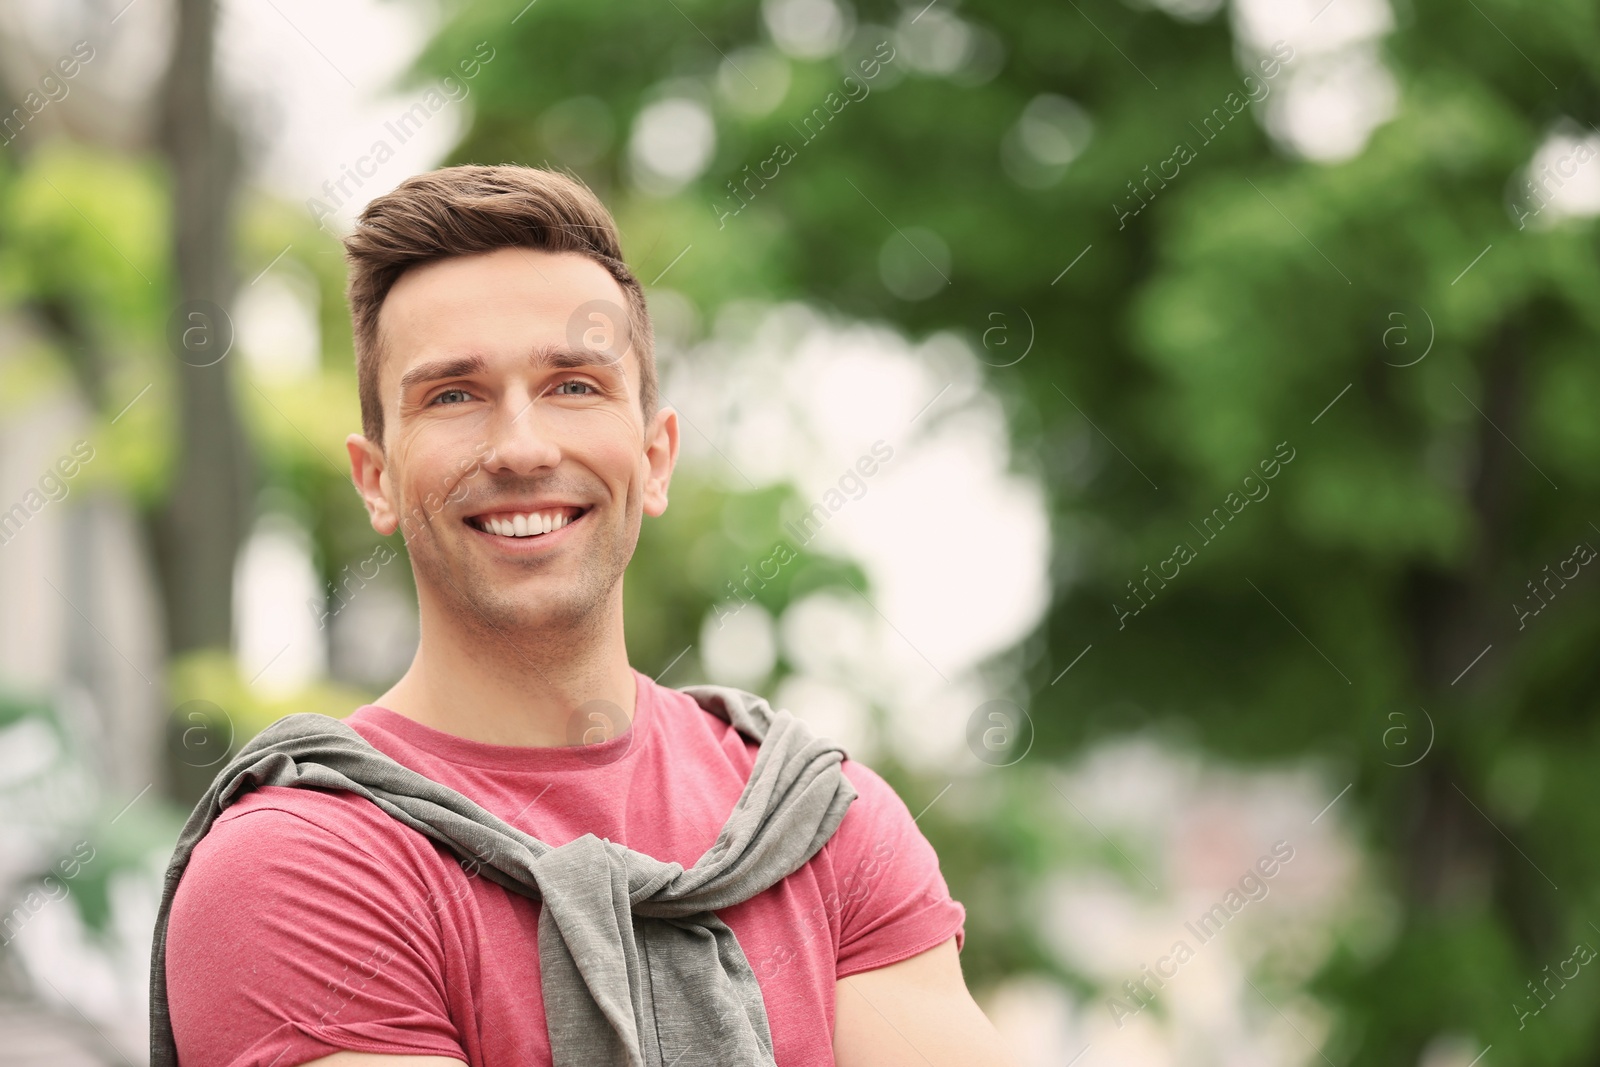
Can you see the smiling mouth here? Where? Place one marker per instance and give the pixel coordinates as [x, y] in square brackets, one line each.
[526, 524]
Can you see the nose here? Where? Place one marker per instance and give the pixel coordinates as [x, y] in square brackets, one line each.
[522, 438]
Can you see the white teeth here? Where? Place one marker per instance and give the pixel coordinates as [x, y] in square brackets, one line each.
[530, 524]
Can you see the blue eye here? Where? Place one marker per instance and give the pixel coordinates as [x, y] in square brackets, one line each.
[575, 381]
[451, 392]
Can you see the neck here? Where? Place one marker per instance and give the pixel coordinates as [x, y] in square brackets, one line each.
[518, 688]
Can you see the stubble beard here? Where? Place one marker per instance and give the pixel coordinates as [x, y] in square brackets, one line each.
[568, 612]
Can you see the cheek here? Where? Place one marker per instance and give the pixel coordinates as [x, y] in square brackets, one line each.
[626, 470]
[610, 445]
[431, 463]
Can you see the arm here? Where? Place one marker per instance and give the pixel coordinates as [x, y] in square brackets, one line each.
[915, 1013]
[289, 940]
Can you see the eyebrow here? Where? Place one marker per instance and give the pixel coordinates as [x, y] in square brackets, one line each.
[557, 357]
[441, 369]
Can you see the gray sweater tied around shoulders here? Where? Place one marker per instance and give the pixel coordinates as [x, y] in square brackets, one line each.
[636, 968]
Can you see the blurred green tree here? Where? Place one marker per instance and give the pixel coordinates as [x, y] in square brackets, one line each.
[1251, 312]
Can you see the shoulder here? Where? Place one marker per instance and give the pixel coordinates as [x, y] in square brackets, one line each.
[870, 784]
[876, 821]
[295, 847]
[306, 922]
[318, 820]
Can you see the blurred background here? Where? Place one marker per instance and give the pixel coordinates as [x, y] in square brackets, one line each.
[1235, 365]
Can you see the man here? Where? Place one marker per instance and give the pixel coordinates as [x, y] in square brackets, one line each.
[512, 433]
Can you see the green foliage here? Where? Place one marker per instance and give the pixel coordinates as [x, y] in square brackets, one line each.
[87, 839]
[1254, 291]
[82, 239]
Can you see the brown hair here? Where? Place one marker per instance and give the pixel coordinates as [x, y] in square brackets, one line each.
[458, 211]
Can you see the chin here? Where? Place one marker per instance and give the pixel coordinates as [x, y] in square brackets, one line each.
[530, 606]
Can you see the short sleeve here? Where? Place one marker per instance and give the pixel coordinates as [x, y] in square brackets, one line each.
[288, 941]
[893, 900]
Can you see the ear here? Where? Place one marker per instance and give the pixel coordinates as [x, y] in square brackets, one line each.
[371, 477]
[661, 454]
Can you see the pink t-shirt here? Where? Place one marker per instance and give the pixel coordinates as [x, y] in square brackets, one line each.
[310, 921]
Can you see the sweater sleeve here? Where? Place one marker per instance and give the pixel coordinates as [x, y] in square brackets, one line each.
[893, 899]
[288, 940]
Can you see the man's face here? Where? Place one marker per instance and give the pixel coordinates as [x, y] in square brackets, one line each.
[511, 405]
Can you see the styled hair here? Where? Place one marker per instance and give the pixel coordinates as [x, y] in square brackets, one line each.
[465, 210]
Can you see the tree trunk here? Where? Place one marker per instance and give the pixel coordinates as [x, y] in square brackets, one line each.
[1451, 847]
[198, 530]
